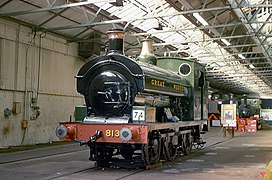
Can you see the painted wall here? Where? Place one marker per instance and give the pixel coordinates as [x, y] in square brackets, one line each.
[37, 72]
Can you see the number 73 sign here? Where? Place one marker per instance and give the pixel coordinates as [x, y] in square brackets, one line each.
[138, 113]
[143, 114]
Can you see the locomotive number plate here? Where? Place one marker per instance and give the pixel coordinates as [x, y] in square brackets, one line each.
[112, 133]
[138, 115]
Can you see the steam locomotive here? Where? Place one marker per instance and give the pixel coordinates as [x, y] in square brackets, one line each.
[138, 111]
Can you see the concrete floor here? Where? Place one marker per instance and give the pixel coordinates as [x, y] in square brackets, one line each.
[242, 157]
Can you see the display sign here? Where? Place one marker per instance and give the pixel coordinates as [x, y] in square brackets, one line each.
[228, 115]
[251, 125]
[138, 113]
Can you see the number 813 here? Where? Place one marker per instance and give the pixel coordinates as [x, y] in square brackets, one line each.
[112, 133]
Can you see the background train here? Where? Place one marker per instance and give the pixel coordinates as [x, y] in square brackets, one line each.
[248, 110]
[138, 111]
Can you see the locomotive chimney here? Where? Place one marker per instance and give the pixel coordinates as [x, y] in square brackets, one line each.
[116, 42]
[245, 99]
[147, 55]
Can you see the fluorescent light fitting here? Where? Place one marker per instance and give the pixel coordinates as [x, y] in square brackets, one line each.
[200, 19]
[225, 42]
[251, 66]
[241, 56]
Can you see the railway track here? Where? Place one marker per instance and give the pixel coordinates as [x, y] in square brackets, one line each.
[72, 173]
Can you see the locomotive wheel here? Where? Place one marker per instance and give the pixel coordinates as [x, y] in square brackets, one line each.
[170, 151]
[152, 151]
[187, 144]
[104, 156]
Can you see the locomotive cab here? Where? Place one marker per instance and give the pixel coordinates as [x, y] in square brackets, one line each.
[194, 73]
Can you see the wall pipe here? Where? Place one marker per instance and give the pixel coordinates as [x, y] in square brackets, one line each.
[26, 74]
[17, 42]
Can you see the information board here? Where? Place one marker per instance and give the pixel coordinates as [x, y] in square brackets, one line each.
[228, 115]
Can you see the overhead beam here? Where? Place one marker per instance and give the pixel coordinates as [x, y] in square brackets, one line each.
[31, 11]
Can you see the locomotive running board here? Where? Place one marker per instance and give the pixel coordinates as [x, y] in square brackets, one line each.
[173, 125]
